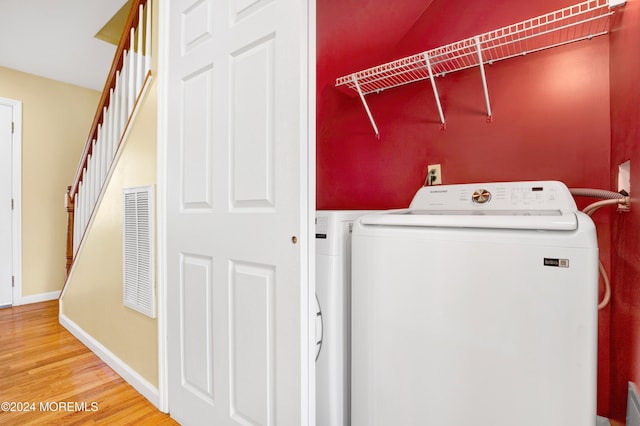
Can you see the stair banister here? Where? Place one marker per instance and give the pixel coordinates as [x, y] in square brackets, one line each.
[125, 81]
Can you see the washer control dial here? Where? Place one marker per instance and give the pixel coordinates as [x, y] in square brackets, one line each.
[481, 196]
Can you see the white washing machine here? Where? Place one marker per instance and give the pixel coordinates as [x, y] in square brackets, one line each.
[477, 305]
[333, 276]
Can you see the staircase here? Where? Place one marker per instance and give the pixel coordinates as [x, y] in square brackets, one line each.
[128, 78]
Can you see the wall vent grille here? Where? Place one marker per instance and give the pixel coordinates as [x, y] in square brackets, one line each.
[138, 291]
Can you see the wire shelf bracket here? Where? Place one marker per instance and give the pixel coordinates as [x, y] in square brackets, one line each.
[484, 78]
[366, 106]
[582, 21]
[443, 124]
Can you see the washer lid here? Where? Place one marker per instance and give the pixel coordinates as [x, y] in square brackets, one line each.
[555, 220]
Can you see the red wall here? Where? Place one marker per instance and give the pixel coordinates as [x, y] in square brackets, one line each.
[625, 137]
[551, 117]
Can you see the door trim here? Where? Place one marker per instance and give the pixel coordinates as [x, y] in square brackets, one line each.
[16, 191]
[308, 299]
[161, 206]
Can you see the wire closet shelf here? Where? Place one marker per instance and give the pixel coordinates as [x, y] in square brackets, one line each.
[574, 23]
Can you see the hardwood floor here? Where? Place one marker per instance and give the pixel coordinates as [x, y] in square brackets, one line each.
[48, 377]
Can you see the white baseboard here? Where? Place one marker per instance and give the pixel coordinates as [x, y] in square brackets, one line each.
[36, 298]
[138, 382]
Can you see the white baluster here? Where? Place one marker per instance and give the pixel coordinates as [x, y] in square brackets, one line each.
[125, 89]
[95, 175]
[117, 120]
[147, 37]
[100, 134]
[77, 218]
[80, 210]
[83, 201]
[100, 143]
[131, 74]
[106, 127]
[75, 222]
[106, 142]
[139, 58]
[99, 163]
[85, 198]
[85, 204]
[113, 136]
[94, 181]
[91, 183]
[103, 149]
[124, 85]
[87, 191]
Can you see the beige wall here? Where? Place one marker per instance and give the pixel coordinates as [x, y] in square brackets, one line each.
[56, 118]
[93, 296]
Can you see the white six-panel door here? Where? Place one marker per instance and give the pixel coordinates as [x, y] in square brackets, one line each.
[237, 209]
[6, 224]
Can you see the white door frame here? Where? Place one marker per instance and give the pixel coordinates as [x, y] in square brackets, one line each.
[308, 155]
[16, 191]
[161, 205]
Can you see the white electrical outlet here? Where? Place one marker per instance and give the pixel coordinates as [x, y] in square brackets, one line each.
[434, 174]
[624, 182]
[624, 176]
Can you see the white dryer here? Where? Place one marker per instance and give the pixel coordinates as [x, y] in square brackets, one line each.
[333, 278]
[477, 305]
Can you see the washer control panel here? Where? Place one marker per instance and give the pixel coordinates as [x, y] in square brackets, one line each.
[499, 196]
